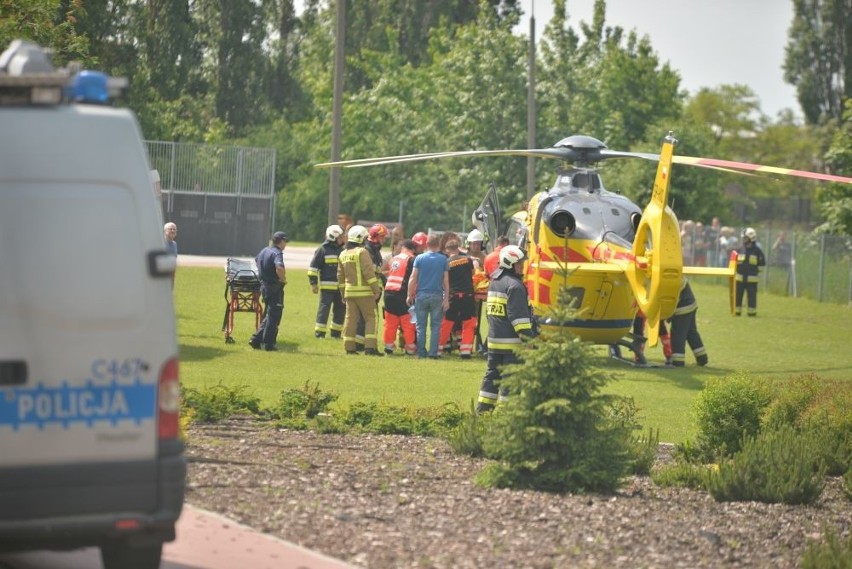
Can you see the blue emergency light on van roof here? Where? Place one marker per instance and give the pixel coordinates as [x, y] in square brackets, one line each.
[89, 87]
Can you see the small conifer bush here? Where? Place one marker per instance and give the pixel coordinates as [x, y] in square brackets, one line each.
[823, 408]
[777, 466]
[682, 474]
[219, 402]
[307, 402]
[556, 432]
[466, 437]
[834, 553]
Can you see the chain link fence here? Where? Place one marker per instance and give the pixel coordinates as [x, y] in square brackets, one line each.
[798, 263]
[220, 197]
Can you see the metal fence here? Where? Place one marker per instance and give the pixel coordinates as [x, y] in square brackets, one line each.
[798, 263]
[220, 197]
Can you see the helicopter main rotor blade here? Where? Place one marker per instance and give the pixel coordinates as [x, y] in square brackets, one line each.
[376, 161]
[554, 153]
[746, 167]
[622, 154]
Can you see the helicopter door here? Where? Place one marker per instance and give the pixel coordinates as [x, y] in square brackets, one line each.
[486, 217]
[604, 294]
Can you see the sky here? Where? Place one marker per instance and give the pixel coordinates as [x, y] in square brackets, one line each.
[708, 42]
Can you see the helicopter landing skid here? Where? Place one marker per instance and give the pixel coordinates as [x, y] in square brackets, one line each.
[634, 363]
[638, 359]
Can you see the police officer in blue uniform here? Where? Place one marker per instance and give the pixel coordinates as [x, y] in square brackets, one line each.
[270, 265]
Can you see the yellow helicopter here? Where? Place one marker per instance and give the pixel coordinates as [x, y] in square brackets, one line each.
[613, 257]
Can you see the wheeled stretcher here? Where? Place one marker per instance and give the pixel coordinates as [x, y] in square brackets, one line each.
[242, 294]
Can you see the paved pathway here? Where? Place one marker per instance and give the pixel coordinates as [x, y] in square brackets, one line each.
[294, 257]
[204, 541]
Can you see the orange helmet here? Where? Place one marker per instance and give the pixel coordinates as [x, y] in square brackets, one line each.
[378, 232]
[420, 239]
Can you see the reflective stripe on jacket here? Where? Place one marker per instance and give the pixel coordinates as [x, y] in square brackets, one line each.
[356, 274]
[323, 267]
[749, 261]
[508, 311]
[686, 302]
[400, 268]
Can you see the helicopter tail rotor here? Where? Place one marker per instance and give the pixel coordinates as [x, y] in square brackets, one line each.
[657, 270]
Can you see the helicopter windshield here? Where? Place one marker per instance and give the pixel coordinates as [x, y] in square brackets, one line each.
[486, 217]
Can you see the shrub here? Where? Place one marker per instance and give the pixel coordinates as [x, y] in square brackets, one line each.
[775, 467]
[823, 408]
[307, 402]
[847, 483]
[219, 402]
[387, 419]
[727, 411]
[466, 436]
[643, 451]
[791, 398]
[556, 432]
[834, 553]
[681, 474]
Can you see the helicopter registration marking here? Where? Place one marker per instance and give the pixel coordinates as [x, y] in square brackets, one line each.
[496, 307]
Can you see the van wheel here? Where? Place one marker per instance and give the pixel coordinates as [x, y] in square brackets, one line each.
[122, 555]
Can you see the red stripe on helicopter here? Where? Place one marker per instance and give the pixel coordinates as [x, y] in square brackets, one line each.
[605, 253]
[563, 254]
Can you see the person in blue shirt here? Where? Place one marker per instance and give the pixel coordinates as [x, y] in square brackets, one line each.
[270, 266]
[428, 291]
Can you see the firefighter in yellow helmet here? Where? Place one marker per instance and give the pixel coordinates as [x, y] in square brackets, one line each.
[356, 278]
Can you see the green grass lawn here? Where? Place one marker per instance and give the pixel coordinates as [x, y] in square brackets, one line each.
[789, 337]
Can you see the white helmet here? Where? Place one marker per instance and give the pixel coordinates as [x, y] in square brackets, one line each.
[511, 254]
[750, 234]
[332, 232]
[475, 235]
[357, 234]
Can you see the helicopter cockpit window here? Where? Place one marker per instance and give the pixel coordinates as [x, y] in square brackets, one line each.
[588, 181]
[516, 232]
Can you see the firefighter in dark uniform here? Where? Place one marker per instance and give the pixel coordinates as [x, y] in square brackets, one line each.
[356, 277]
[373, 244]
[462, 308]
[270, 265]
[684, 329]
[322, 274]
[397, 316]
[510, 320]
[749, 260]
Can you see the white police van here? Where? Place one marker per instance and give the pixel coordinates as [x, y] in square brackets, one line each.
[90, 451]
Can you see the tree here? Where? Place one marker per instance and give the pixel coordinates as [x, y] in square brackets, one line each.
[171, 51]
[411, 23]
[732, 111]
[696, 193]
[818, 60]
[609, 85]
[836, 200]
[285, 93]
[469, 94]
[49, 23]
